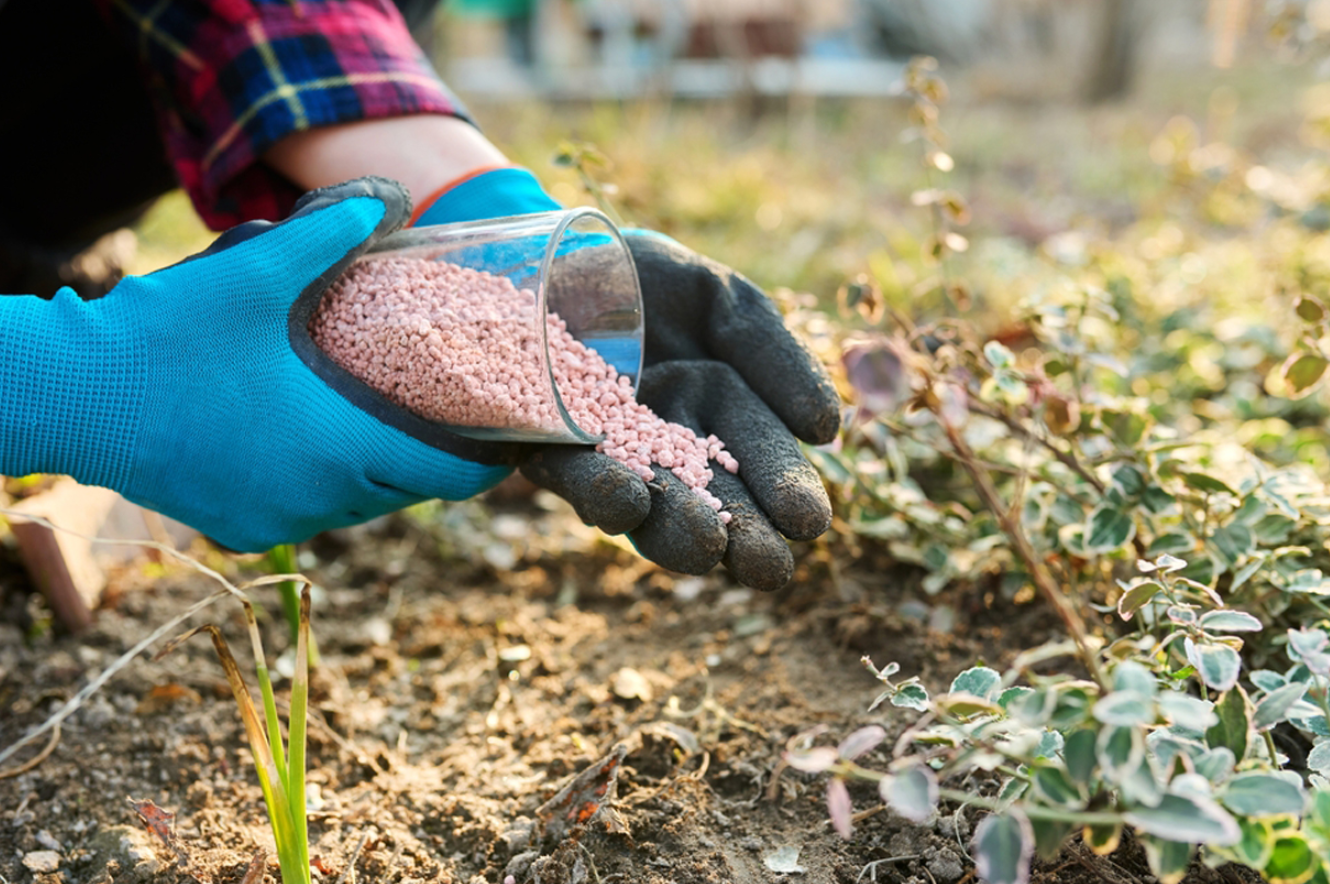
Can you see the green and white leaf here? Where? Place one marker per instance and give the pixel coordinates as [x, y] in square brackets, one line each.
[979, 681]
[1078, 753]
[1216, 764]
[1049, 836]
[1186, 818]
[1233, 730]
[1274, 706]
[1139, 594]
[1055, 787]
[1233, 542]
[1188, 713]
[1218, 665]
[1267, 679]
[1119, 750]
[1125, 709]
[1318, 759]
[1292, 861]
[1229, 621]
[1168, 859]
[1003, 845]
[1108, 529]
[911, 792]
[998, 355]
[1257, 844]
[1259, 794]
[966, 706]
[911, 696]
[1130, 676]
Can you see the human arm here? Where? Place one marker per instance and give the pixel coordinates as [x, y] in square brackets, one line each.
[195, 390]
[718, 360]
[271, 141]
[424, 152]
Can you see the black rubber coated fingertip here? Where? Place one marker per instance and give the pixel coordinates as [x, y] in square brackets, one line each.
[681, 532]
[759, 559]
[756, 554]
[805, 511]
[767, 571]
[819, 416]
[604, 493]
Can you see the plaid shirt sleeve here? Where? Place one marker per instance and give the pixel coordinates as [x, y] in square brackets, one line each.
[231, 77]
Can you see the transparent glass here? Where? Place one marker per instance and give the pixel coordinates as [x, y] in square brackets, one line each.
[573, 263]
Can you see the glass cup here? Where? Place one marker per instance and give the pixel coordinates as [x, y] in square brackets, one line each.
[571, 263]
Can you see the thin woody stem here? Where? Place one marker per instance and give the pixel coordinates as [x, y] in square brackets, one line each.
[1015, 426]
[1043, 580]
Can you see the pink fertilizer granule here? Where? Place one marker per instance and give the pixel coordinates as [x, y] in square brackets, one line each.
[461, 347]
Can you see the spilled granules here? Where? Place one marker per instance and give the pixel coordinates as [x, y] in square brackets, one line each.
[462, 347]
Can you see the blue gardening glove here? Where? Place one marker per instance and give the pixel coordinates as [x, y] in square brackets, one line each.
[496, 193]
[196, 390]
[718, 359]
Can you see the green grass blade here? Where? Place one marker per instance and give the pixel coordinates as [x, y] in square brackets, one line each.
[277, 748]
[296, 730]
[275, 794]
[282, 560]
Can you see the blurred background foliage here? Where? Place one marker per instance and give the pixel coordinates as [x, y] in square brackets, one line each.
[1182, 179]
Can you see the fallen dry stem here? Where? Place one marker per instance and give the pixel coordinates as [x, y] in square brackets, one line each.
[36, 759]
[74, 703]
[348, 875]
[257, 867]
[92, 687]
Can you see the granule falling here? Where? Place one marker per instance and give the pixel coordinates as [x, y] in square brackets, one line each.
[461, 347]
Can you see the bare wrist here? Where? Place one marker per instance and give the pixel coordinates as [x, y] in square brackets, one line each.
[424, 152]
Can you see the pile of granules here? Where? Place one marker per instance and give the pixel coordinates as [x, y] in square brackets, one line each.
[461, 347]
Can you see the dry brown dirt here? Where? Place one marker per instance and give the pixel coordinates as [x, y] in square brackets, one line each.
[474, 661]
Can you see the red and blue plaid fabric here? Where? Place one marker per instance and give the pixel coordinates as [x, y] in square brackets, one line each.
[231, 77]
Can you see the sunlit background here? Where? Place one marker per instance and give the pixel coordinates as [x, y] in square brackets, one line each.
[776, 134]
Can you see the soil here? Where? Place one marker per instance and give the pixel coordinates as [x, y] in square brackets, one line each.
[475, 658]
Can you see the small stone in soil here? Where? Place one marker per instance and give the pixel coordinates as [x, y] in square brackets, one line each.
[41, 862]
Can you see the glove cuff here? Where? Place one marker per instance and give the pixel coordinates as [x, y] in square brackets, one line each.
[487, 193]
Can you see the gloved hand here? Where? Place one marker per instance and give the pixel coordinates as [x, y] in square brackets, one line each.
[718, 359]
[196, 390]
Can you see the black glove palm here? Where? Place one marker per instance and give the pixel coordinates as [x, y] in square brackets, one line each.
[718, 360]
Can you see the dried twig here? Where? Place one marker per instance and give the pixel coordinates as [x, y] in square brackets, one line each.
[120, 662]
[348, 875]
[1068, 460]
[257, 866]
[73, 704]
[36, 759]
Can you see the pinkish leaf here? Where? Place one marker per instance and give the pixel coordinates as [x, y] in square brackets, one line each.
[865, 739]
[954, 404]
[815, 760]
[877, 373]
[838, 805]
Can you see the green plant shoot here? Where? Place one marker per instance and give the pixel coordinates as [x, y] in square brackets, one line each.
[280, 767]
[282, 560]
